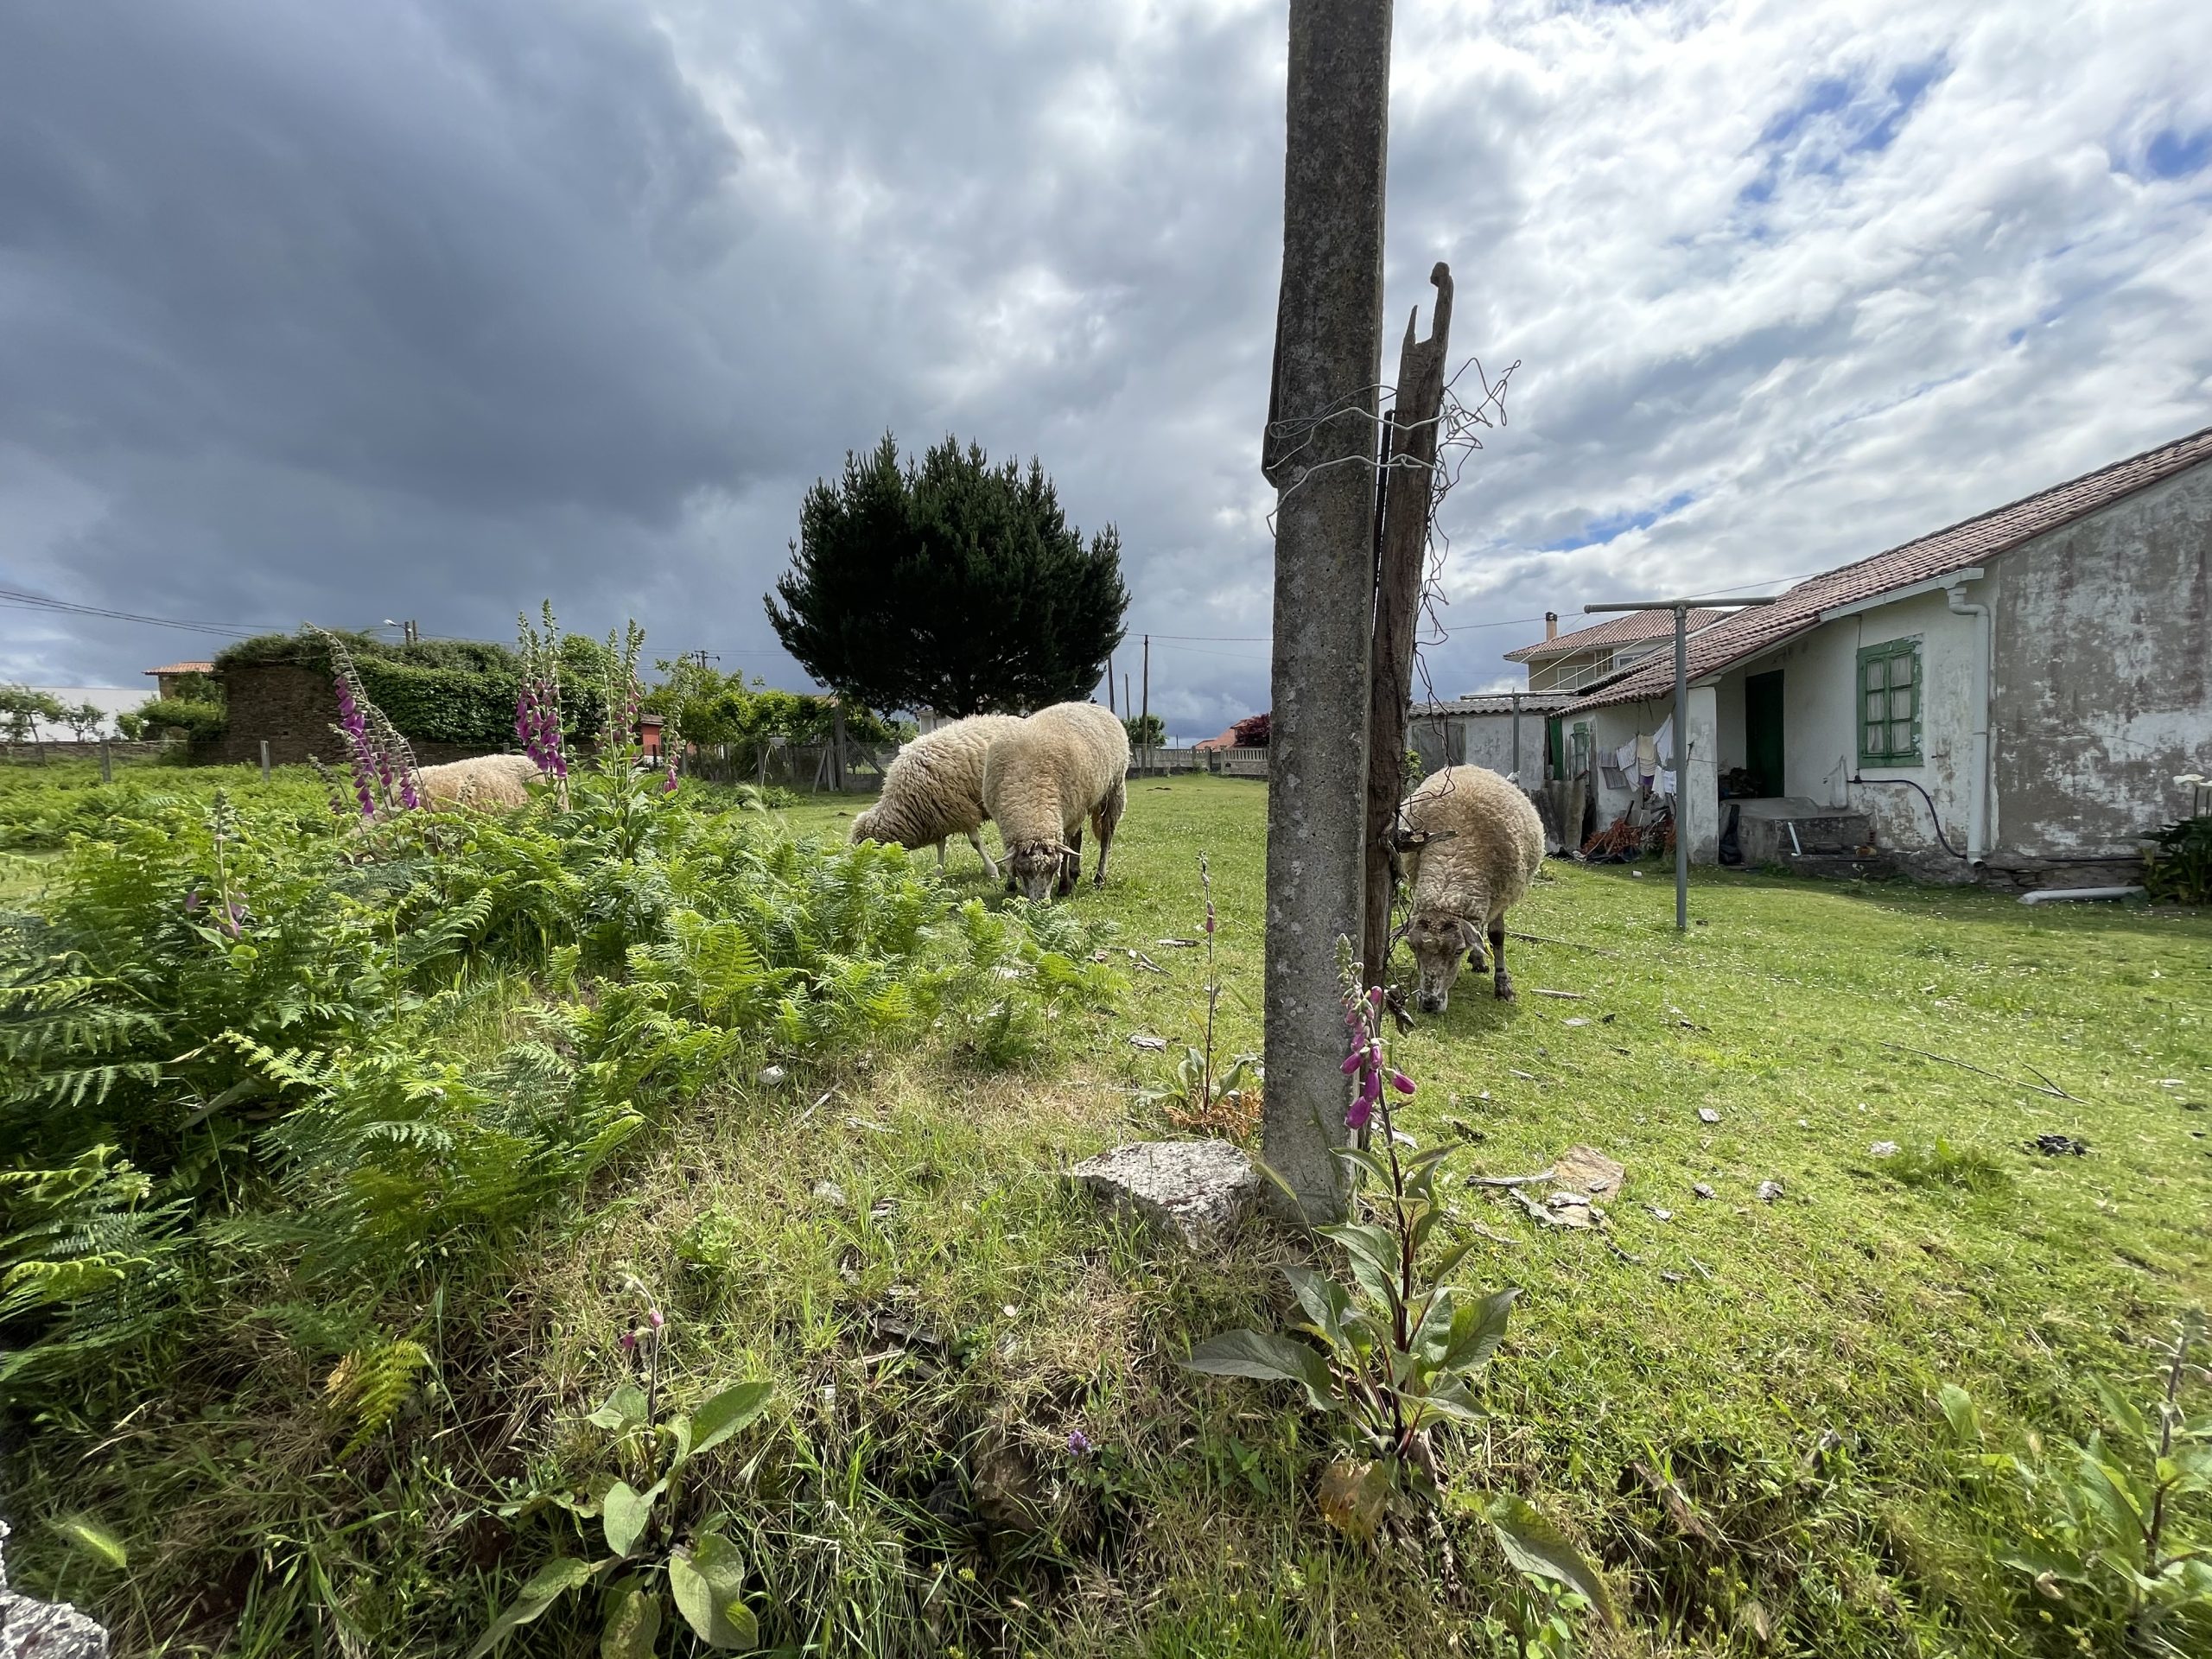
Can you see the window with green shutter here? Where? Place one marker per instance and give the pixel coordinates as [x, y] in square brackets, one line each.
[1888, 703]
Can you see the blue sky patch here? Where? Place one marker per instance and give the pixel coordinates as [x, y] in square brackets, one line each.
[1599, 531]
[2173, 155]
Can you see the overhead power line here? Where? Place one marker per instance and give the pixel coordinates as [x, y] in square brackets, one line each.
[16, 599]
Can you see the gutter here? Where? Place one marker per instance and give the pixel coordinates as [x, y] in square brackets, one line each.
[1977, 784]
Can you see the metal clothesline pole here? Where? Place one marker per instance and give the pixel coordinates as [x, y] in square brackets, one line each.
[1681, 608]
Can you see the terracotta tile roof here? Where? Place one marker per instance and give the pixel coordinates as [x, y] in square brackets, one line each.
[1630, 628]
[184, 668]
[1747, 633]
[1501, 702]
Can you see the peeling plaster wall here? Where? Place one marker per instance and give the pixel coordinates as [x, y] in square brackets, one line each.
[2103, 678]
[1819, 689]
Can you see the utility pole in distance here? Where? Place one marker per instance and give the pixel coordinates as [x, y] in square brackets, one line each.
[1320, 451]
[1144, 716]
[1681, 608]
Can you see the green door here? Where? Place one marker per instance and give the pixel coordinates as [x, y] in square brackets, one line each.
[1763, 730]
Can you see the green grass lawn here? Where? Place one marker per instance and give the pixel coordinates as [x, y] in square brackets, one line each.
[1726, 1339]
[1731, 1404]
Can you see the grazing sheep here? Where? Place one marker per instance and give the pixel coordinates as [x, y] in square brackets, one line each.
[486, 780]
[1478, 844]
[935, 790]
[1042, 778]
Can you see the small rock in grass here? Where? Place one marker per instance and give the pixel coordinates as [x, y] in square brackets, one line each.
[1657, 1214]
[1702, 1189]
[1707, 1115]
[1576, 1021]
[1585, 1169]
[1883, 1149]
[771, 1076]
[1194, 1189]
[1768, 1191]
[829, 1193]
[1672, 1278]
[1157, 1045]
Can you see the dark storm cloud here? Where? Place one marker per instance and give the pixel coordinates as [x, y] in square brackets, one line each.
[428, 308]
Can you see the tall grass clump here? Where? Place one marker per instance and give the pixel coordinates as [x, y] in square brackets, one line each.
[282, 1095]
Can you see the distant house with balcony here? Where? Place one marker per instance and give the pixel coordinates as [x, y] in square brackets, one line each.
[1589, 657]
[168, 677]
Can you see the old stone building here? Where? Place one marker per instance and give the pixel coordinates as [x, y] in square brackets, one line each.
[2008, 699]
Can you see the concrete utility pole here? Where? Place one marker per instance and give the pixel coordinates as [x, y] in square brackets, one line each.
[1681, 608]
[1321, 444]
[1144, 718]
[1109, 683]
[1407, 492]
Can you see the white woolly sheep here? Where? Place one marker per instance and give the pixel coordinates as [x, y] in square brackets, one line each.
[1042, 778]
[934, 790]
[485, 780]
[1478, 844]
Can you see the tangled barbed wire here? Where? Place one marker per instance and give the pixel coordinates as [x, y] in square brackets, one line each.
[1459, 421]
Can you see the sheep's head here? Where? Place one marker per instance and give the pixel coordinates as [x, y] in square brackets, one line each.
[1039, 869]
[864, 826]
[1441, 942]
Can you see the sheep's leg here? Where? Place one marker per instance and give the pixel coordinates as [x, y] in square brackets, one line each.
[1070, 864]
[940, 855]
[975, 840]
[1501, 981]
[1105, 821]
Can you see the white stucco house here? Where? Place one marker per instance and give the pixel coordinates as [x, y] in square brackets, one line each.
[2008, 699]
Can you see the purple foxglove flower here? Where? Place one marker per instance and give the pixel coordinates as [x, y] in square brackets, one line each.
[1401, 1082]
[1355, 1061]
[1357, 1116]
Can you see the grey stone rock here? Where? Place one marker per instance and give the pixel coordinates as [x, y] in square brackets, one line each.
[43, 1630]
[1194, 1189]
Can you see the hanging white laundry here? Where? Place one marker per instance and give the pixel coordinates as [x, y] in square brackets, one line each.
[1625, 755]
[1663, 741]
[1665, 784]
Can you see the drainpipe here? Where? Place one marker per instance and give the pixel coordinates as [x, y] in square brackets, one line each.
[1978, 784]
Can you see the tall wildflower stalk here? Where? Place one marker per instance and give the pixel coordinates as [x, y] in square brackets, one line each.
[537, 703]
[381, 761]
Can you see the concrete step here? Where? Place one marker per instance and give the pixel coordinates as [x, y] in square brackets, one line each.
[1766, 825]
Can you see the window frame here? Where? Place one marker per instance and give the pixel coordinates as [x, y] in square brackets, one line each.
[1889, 651]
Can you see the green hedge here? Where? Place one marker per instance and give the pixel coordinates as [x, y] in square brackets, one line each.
[443, 690]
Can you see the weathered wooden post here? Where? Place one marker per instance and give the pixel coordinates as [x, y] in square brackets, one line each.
[264, 759]
[107, 764]
[1320, 446]
[1408, 490]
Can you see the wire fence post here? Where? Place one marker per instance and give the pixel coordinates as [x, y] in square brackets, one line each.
[107, 764]
[264, 759]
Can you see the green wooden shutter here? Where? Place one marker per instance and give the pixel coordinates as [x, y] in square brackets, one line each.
[1888, 703]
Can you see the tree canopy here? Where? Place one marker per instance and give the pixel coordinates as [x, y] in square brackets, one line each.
[949, 584]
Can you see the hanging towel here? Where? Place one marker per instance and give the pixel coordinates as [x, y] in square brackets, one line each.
[1666, 781]
[1663, 744]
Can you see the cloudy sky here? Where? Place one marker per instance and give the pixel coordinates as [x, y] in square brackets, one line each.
[350, 309]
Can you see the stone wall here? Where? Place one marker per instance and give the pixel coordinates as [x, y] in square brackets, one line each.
[293, 708]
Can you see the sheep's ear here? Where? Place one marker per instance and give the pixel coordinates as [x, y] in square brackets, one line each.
[1470, 935]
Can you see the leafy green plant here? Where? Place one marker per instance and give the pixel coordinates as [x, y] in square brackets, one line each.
[2116, 1528]
[2178, 869]
[1200, 1094]
[1392, 1356]
[647, 1566]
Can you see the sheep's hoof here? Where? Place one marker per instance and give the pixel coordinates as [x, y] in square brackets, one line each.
[1503, 985]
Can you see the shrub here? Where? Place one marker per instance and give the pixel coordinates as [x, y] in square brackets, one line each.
[2178, 869]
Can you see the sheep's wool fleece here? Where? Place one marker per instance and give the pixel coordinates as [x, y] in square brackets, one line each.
[1044, 778]
[1495, 849]
[493, 780]
[934, 788]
